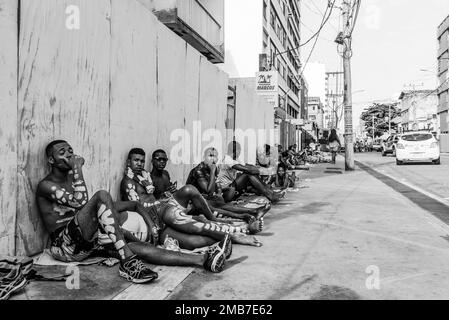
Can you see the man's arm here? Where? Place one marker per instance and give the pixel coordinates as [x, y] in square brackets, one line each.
[246, 169]
[207, 187]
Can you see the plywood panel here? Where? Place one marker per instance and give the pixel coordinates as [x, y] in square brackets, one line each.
[212, 101]
[191, 110]
[133, 84]
[63, 93]
[171, 73]
[8, 124]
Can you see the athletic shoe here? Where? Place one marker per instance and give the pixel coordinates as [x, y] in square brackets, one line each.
[217, 255]
[136, 271]
[171, 244]
[11, 282]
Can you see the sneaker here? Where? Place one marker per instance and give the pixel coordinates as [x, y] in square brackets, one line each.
[11, 282]
[217, 255]
[136, 271]
[171, 244]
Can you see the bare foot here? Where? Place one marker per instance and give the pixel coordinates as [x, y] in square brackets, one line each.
[256, 226]
[247, 240]
[263, 211]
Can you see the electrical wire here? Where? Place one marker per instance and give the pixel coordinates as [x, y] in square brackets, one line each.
[320, 12]
[323, 22]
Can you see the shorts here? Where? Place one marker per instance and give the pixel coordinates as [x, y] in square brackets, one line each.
[68, 244]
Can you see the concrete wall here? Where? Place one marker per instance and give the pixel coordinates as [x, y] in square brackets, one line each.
[122, 80]
[254, 117]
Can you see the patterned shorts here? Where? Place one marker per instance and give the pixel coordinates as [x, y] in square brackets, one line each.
[68, 244]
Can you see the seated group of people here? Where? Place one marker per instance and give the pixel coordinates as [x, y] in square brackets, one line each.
[152, 211]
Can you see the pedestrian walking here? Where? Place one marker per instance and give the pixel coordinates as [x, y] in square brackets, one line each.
[334, 144]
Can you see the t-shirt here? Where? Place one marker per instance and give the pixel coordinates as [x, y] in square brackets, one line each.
[227, 173]
[201, 171]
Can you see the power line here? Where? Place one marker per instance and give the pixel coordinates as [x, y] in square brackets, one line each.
[323, 22]
[321, 12]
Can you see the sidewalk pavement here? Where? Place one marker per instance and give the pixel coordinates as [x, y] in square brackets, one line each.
[347, 236]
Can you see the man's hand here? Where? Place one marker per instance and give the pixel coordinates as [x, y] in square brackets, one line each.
[76, 161]
[212, 167]
[173, 188]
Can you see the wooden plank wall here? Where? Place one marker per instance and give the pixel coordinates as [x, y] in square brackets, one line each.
[63, 93]
[133, 84]
[8, 125]
[122, 80]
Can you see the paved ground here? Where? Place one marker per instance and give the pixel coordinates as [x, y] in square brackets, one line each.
[352, 235]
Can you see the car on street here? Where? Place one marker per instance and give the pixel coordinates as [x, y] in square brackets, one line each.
[419, 146]
[389, 145]
[377, 145]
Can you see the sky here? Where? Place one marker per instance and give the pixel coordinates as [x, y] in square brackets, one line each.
[392, 41]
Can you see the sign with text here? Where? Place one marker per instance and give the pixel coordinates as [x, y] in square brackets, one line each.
[267, 83]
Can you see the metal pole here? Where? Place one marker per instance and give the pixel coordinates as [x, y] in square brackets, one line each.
[373, 128]
[349, 139]
[389, 119]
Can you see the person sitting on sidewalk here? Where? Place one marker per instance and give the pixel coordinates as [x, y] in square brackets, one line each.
[266, 162]
[173, 221]
[205, 178]
[282, 180]
[73, 220]
[234, 177]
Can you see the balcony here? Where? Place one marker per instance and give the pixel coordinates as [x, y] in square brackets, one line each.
[198, 22]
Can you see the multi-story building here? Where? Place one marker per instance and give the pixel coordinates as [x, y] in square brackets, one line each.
[419, 110]
[264, 35]
[199, 22]
[443, 75]
[315, 112]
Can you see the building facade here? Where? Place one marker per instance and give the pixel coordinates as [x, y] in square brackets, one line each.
[266, 40]
[443, 76]
[419, 110]
[315, 111]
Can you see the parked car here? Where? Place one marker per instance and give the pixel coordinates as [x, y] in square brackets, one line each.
[389, 145]
[377, 145]
[417, 147]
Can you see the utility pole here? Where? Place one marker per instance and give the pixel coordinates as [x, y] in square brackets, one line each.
[389, 119]
[373, 128]
[347, 100]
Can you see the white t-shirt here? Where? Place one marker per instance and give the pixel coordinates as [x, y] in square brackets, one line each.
[227, 174]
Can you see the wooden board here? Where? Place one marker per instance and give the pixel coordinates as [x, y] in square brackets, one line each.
[133, 84]
[213, 102]
[169, 279]
[191, 103]
[8, 125]
[63, 93]
[171, 71]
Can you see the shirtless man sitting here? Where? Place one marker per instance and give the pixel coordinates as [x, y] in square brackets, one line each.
[204, 177]
[73, 220]
[173, 221]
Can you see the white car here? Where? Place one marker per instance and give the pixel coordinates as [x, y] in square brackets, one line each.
[417, 147]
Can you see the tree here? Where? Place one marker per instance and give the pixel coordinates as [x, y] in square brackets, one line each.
[380, 113]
